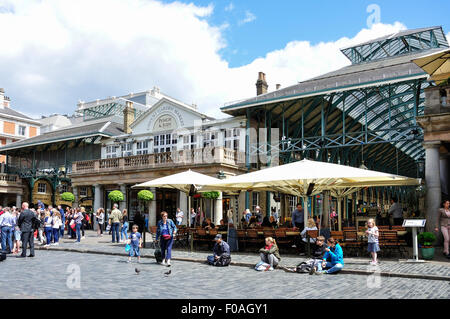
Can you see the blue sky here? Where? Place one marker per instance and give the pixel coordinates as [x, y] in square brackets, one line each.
[203, 52]
[279, 22]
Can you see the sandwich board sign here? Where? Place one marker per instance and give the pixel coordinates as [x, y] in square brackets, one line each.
[414, 224]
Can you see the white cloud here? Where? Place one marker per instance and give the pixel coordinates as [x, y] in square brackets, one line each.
[249, 17]
[448, 37]
[229, 7]
[61, 51]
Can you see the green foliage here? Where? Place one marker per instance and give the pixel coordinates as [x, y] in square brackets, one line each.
[116, 196]
[68, 197]
[212, 195]
[145, 195]
[426, 238]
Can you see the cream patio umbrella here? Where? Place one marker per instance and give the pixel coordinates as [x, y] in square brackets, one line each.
[437, 65]
[305, 178]
[184, 181]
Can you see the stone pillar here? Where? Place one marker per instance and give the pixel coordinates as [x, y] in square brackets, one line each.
[326, 209]
[152, 209]
[75, 195]
[18, 201]
[443, 167]
[97, 197]
[5, 200]
[218, 209]
[183, 205]
[433, 182]
[123, 205]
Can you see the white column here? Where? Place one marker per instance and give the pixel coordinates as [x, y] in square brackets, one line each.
[443, 166]
[183, 205]
[305, 210]
[97, 197]
[433, 182]
[75, 194]
[18, 201]
[218, 210]
[152, 209]
[123, 204]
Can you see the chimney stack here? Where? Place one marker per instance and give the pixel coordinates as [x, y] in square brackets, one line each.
[278, 86]
[261, 84]
[128, 117]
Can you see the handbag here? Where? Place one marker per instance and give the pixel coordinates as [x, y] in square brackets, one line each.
[108, 228]
[166, 237]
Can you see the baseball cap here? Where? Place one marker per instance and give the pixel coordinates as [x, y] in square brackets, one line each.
[218, 236]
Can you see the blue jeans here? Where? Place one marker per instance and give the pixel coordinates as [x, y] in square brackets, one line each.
[62, 230]
[56, 235]
[48, 234]
[115, 232]
[78, 227]
[166, 245]
[333, 268]
[124, 231]
[7, 232]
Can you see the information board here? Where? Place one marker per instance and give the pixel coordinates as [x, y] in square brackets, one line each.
[414, 222]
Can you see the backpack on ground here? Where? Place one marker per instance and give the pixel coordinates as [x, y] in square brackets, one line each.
[261, 266]
[303, 267]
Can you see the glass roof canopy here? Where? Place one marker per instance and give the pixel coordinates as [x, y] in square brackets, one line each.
[397, 44]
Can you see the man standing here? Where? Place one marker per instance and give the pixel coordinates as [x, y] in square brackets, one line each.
[63, 220]
[396, 211]
[26, 220]
[114, 220]
[179, 216]
[6, 225]
[298, 218]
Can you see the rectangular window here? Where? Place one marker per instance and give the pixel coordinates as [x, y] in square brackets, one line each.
[162, 139]
[292, 203]
[142, 147]
[156, 140]
[255, 200]
[111, 151]
[22, 130]
[42, 188]
[83, 191]
[64, 188]
[127, 149]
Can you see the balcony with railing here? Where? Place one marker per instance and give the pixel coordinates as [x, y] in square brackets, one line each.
[215, 155]
[10, 180]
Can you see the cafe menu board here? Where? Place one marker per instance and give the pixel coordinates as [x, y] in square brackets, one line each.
[414, 222]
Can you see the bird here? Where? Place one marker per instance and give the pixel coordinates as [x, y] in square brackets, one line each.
[168, 273]
[137, 270]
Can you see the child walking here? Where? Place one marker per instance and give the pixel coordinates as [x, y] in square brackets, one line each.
[373, 246]
[135, 241]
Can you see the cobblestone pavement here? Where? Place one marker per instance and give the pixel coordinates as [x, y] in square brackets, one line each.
[51, 273]
[104, 245]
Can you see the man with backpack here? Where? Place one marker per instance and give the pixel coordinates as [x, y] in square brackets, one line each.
[221, 255]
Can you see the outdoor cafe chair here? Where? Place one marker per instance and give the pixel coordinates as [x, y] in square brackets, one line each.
[310, 234]
[352, 243]
[242, 237]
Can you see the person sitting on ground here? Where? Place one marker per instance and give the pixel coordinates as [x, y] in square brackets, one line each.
[270, 254]
[333, 259]
[318, 251]
[221, 251]
[266, 222]
[207, 224]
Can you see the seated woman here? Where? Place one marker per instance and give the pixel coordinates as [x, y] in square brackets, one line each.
[273, 222]
[333, 259]
[270, 254]
[310, 225]
[207, 224]
[266, 222]
[222, 225]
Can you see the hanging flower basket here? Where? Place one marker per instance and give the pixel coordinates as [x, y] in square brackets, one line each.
[197, 196]
[211, 195]
[145, 195]
[116, 196]
[68, 197]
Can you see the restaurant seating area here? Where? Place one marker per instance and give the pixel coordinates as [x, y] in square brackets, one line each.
[353, 242]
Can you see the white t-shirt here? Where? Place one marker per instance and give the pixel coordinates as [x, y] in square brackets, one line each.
[180, 215]
[372, 238]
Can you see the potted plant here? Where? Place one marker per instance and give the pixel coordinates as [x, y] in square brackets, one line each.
[426, 240]
[116, 196]
[68, 197]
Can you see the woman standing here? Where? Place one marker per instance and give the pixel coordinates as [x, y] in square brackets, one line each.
[193, 217]
[100, 216]
[444, 218]
[17, 233]
[167, 230]
[124, 230]
[57, 222]
[78, 217]
[48, 227]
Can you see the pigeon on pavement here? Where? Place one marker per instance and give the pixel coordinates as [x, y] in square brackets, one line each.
[137, 270]
[168, 273]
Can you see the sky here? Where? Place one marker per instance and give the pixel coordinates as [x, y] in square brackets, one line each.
[54, 53]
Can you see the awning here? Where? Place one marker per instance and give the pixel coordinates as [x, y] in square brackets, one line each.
[437, 65]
